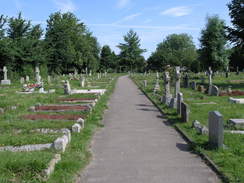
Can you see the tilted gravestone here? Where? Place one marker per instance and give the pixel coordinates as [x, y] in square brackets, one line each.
[184, 112]
[214, 91]
[166, 95]
[5, 80]
[216, 129]
[179, 101]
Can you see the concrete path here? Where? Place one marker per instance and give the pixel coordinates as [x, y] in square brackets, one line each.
[136, 146]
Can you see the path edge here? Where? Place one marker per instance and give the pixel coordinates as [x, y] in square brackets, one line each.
[203, 156]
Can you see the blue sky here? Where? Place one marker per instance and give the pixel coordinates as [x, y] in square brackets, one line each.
[109, 20]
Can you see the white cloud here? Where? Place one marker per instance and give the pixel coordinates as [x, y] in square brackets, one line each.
[177, 11]
[122, 3]
[127, 18]
[65, 5]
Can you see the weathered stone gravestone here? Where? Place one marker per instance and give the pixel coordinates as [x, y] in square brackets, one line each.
[184, 112]
[237, 70]
[38, 77]
[27, 79]
[49, 80]
[179, 101]
[227, 72]
[239, 123]
[193, 85]
[156, 87]
[166, 95]
[67, 88]
[210, 73]
[22, 80]
[82, 81]
[173, 102]
[214, 91]
[145, 83]
[186, 81]
[5, 80]
[216, 129]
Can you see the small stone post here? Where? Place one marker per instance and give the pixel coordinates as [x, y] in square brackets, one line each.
[179, 101]
[210, 84]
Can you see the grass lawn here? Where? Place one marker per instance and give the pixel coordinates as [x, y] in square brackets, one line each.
[230, 160]
[15, 131]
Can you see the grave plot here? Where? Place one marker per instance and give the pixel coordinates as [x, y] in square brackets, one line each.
[230, 158]
[32, 143]
[60, 108]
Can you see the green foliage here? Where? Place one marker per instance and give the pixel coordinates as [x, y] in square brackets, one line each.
[213, 52]
[130, 56]
[107, 59]
[70, 45]
[236, 34]
[175, 50]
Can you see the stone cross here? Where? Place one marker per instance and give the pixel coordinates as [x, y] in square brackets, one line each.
[5, 80]
[216, 129]
[177, 80]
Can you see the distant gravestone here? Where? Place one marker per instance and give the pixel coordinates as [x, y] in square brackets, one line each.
[166, 95]
[5, 80]
[173, 102]
[67, 88]
[194, 85]
[237, 70]
[49, 80]
[216, 129]
[145, 83]
[214, 91]
[186, 81]
[210, 73]
[22, 80]
[179, 101]
[227, 72]
[156, 87]
[38, 77]
[27, 78]
[184, 112]
[82, 81]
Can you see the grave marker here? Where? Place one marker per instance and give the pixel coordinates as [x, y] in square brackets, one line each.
[5, 80]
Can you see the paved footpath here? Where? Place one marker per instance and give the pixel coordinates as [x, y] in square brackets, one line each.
[136, 146]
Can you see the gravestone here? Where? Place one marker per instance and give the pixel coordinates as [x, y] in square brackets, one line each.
[179, 101]
[38, 77]
[166, 95]
[27, 79]
[186, 81]
[173, 102]
[22, 80]
[216, 129]
[5, 80]
[49, 80]
[227, 72]
[184, 112]
[237, 70]
[82, 81]
[210, 73]
[194, 85]
[156, 87]
[145, 83]
[67, 88]
[214, 91]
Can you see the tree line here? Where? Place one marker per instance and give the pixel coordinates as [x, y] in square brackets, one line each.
[67, 45]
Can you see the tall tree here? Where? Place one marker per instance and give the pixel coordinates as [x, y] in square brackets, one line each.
[175, 50]
[236, 34]
[105, 58]
[213, 52]
[130, 52]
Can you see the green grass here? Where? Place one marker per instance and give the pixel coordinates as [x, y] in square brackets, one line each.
[14, 130]
[230, 160]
